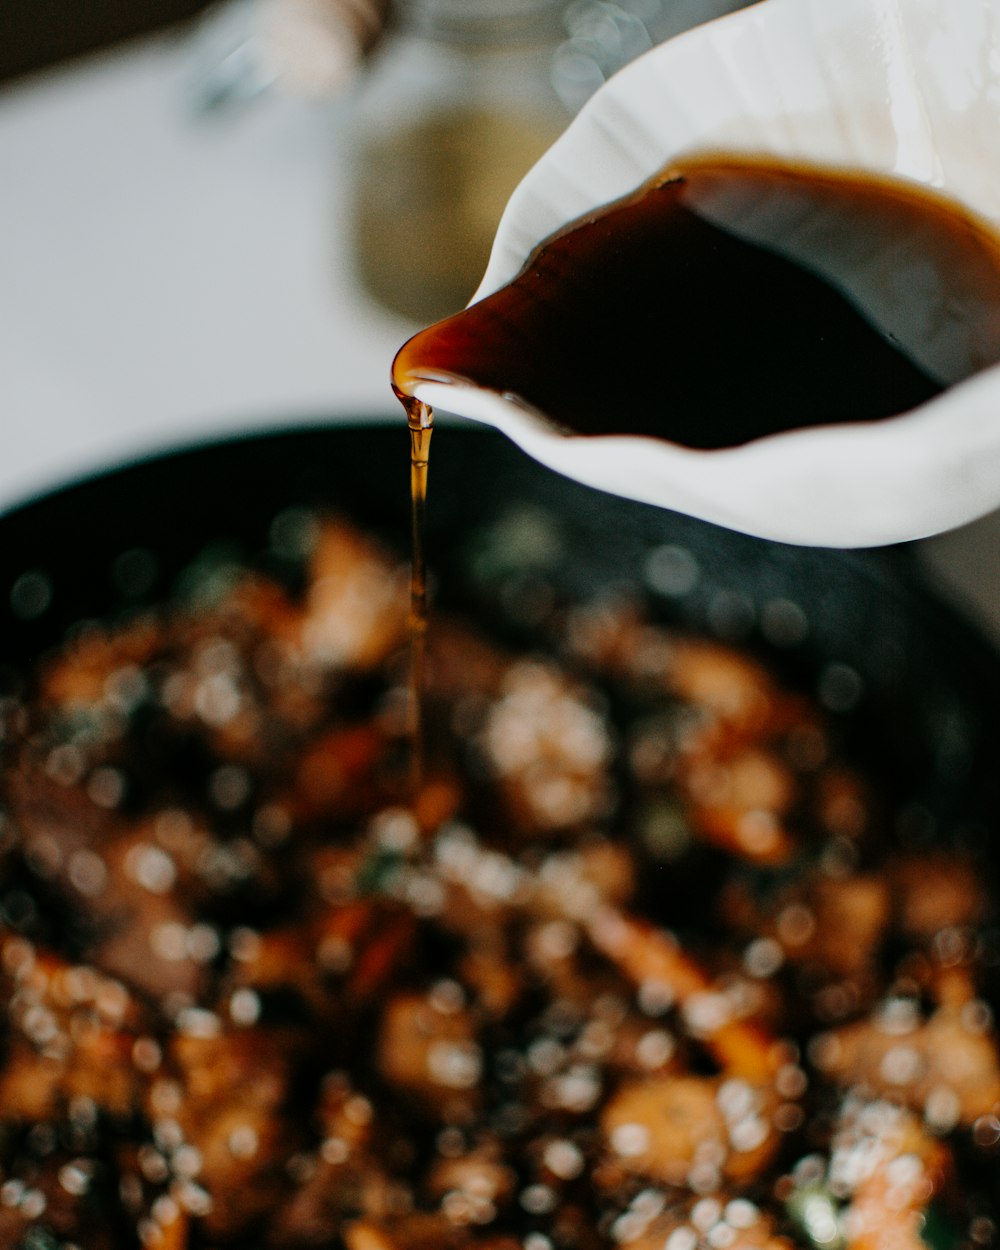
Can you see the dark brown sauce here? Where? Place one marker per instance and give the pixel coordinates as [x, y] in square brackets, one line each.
[732, 299]
[722, 302]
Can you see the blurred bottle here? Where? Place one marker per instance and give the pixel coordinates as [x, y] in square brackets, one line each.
[458, 104]
[455, 101]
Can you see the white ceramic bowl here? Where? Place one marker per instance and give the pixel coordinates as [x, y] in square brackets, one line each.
[907, 88]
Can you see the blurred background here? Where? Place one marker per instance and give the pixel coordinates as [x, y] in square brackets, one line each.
[216, 219]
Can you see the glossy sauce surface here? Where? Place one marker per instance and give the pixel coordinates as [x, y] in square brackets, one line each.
[732, 299]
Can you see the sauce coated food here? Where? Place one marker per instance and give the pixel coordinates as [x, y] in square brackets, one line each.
[636, 967]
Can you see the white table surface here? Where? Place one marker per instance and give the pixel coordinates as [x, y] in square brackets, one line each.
[167, 277]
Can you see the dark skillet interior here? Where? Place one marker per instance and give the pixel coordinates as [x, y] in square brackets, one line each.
[914, 688]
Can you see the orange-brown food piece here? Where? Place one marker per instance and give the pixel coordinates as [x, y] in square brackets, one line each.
[665, 1128]
[356, 606]
[225, 1091]
[71, 1034]
[945, 1067]
[428, 1048]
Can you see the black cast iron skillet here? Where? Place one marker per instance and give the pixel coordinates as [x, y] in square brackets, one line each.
[914, 689]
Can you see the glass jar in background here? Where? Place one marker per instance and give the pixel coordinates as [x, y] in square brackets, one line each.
[457, 105]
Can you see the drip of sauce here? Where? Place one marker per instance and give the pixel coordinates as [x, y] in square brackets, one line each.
[420, 421]
[730, 299]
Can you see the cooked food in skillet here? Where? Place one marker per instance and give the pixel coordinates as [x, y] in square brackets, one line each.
[640, 964]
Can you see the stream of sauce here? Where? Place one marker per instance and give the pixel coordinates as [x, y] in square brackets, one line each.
[420, 420]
